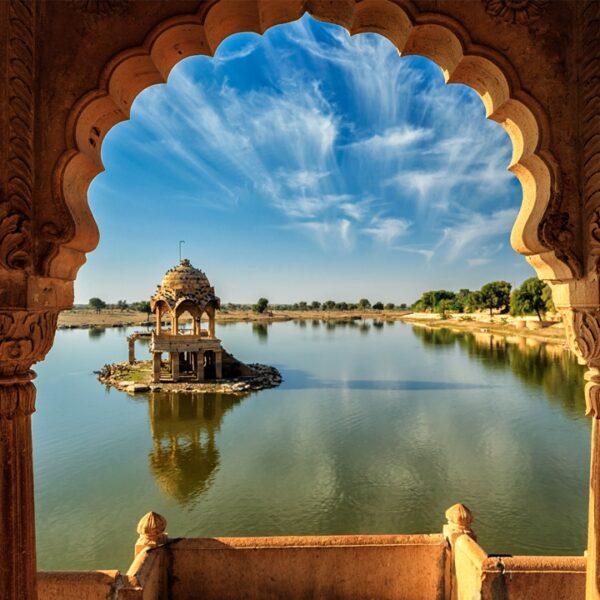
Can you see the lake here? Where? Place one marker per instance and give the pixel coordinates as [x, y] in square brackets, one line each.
[377, 428]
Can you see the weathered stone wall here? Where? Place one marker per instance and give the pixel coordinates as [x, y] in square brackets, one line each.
[349, 567]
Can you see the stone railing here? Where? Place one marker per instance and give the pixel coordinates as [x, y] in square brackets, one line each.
[448, 566]
[475, 574]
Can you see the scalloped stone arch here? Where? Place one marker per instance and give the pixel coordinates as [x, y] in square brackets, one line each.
[437, 37]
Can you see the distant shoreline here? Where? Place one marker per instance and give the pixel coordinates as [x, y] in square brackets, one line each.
[502, 325]
[74, 319]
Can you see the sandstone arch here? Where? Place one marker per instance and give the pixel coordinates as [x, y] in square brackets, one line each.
[73, 68]
[437, 37]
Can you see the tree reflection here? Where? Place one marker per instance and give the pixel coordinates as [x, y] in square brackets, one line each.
[261, 331]
[538, 365]
[185, 457]
[95, 333]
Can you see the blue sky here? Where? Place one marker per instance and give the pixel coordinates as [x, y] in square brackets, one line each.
[305, 164]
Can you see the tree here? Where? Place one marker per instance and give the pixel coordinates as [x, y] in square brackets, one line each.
[531, 297]
[261, 305]
[495, 296]
[302, 305]
[341, 306]
[97, 304]
[378, 306]
[329, 305]
[472, 302]
[363, 304]
[122, 305]
[390, 306]
[315, 305]
[443, 306]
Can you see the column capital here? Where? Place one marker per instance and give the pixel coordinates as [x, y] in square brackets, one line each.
[582, 326]
[26, 336]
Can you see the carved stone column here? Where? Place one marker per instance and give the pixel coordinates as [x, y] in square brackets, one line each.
[25, 338]
[583, 334]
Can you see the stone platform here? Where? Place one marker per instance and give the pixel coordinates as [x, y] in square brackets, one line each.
[137, 378]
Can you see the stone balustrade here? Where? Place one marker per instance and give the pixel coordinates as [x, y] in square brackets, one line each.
[448, 566]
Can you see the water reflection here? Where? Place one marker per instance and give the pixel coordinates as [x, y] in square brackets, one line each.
[95, 333]
[185, 458]
[261, 331]
[550, 367]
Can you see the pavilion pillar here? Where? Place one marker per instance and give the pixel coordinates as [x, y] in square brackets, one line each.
[211, 326]
[25, 338]
[219, 364]
[200, 366]
[156, 367]
[175, 366]
[131, 346]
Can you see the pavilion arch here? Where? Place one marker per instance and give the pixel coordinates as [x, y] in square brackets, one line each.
[437, 37]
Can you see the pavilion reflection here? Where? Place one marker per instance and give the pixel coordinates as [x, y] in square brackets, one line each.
[185, 457]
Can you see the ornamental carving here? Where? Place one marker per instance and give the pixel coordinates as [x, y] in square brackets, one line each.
[556, 231]
[100, 7]
[17, 202]
[515, 11]
[590, 126]
[25, 338]
[583, 335]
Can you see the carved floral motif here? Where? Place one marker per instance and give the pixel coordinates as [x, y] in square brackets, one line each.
[556, 231]
[25, 338]
[515, 11]
[16, 206]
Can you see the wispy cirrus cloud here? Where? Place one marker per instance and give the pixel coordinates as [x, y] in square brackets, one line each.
[386, 230]
[335, 139]
[393, 138]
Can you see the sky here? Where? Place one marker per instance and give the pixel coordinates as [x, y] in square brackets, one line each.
[305, 164]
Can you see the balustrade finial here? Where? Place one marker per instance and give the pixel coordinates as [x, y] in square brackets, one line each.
[151, 528]
[459, 523]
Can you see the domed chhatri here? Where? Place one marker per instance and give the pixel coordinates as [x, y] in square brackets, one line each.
[185, 283]
[194, 353]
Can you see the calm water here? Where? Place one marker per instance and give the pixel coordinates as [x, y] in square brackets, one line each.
[378, 428]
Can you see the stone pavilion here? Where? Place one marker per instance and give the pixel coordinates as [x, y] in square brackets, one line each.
[194, 353]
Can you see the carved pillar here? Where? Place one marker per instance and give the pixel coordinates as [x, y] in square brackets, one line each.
[219, 365]
[175, 366]
[25, 338]
[156, 367]
[583, 334]
[200, 366]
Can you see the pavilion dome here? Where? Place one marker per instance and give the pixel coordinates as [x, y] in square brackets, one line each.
[185, 283]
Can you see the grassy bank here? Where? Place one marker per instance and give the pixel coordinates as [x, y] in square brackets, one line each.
[550, 332]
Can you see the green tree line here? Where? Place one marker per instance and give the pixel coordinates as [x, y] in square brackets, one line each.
[532, 297]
